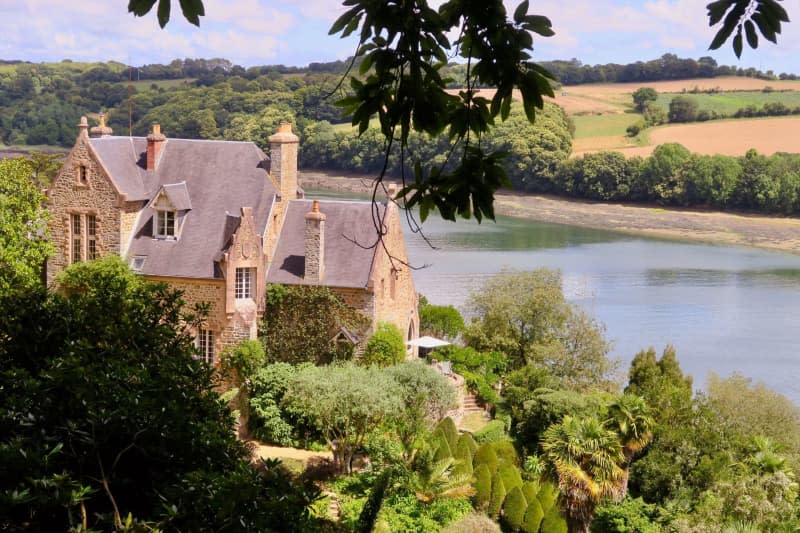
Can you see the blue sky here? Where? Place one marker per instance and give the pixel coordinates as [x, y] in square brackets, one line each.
[257, 32]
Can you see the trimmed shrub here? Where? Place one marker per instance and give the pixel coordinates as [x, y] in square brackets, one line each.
[485, 456]
[483, 487]
[491, 432]
[505, 452]
[498, 495]
[530, 489]
[464, 457]
[547, 496]
[533, 517]
[463, 450]
[470, 442]
[437, 438]
[510, 476]
[385, 347]
[450, 431]
[553, 522]
[514, 508]
[473, 523]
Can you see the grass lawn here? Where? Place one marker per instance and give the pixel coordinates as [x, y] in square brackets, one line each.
[587, 126]
[165, 84]
[729, 103]
[473, 422]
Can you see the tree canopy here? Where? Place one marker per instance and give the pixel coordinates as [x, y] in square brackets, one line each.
[23, 236]
[106, 414]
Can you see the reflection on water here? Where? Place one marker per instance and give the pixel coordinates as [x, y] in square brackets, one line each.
[725, 309]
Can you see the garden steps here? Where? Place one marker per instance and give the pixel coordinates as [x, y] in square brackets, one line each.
[470, 403]
[333, 505]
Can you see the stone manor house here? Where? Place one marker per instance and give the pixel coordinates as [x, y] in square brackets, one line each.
[219, 220]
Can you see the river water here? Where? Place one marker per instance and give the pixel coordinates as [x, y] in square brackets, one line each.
[725, 309]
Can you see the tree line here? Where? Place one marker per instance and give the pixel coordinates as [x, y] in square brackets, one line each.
[667, 67]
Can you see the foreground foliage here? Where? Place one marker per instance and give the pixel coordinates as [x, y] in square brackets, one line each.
[23, 233]
[106, 414]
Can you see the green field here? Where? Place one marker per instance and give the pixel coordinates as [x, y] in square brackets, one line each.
[587, 126]
[161, 84]
[729, 102]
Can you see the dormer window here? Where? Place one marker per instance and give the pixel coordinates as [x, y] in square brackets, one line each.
[165, 224]
[170, 206]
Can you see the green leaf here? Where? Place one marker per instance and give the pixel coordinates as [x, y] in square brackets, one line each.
[192, 10]
[140, 7]
[717, 10]
[163, 12]
[766, 29]
[521, 11]
[344, 20]
[737, 43]
[750, 33]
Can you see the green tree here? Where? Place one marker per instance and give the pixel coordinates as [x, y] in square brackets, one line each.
[106, 413]
[683, 109]
[526, 315]
[385, 347]
[23, 233]
[629, 416]
[426, 395]
[345, 402]
[754, 409]
[584, 460]
[642, 96]
[442, 321]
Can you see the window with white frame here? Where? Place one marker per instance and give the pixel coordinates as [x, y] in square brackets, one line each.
[91, 237]
[205, 346]
[165, 224]
[245, 280]
[76, 253]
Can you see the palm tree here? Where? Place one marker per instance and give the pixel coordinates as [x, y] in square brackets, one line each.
[434, 479]
[629, 417]
[584, 459]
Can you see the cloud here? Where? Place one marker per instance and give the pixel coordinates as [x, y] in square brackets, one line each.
[263, 31]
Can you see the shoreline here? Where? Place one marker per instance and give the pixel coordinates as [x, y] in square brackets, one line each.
[716, 227]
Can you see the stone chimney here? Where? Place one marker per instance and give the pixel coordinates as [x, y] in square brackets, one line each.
[155, 143]
[102, 130]
[83, 128]
[315, 244]
[283, 155]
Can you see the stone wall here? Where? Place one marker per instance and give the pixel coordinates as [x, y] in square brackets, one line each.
[96, 195]
[396, 299]
[210, 291]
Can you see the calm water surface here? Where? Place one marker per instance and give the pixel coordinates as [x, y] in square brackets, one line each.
[725, 309]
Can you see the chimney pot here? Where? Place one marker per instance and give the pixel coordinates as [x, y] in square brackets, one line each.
[155, 143]
[83, 127]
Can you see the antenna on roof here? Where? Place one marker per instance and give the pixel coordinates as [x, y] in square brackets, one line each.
[130, 99]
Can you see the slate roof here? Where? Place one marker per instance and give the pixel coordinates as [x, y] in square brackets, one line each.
[220, 178]
[346, 263]
[178, 196]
